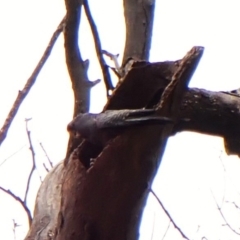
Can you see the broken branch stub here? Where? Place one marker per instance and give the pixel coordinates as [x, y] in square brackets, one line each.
[173, 93]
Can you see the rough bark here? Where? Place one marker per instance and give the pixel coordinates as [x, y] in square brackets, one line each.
[106, 201]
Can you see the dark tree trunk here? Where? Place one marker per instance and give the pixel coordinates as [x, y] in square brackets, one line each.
[106, 201]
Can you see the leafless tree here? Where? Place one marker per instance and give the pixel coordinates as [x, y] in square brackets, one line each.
[80, 199]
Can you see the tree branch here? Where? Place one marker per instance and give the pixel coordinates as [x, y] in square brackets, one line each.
[49, 160]
[174, 91]
[98, 48]
[139, 21]
[33, 161]
[18, 199]
[164, 235]
[77, 68]
[223, 217]
[23, 93]
[168, 214]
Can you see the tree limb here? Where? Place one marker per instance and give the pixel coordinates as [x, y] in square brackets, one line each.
[139, 22]
[33, 162]
[77, 68]
[168, 214]
[23, 93]
[223, 217]
[18, 199]
[98, 47]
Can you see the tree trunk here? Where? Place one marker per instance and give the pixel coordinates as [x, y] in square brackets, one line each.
[105, 201]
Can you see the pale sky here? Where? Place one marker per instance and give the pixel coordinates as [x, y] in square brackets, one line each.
[192, 167]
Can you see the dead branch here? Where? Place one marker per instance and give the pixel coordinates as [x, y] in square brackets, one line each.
[15, 225]
[33, 161]
[49, 160]
[18, 199]
[12, 155]
[223, 217]
[77, 68]
[164, 235]
[98, 47]
[174, 91]
[45, 167]
[168, 214]
[153, 226]
[114, 58]
[234, 204]
[24, 92]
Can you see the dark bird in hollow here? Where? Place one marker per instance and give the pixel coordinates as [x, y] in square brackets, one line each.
[100, 128]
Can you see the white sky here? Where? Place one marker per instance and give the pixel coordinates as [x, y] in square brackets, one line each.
[193, 163]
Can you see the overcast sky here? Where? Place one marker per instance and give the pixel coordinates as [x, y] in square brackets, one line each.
[193, 163]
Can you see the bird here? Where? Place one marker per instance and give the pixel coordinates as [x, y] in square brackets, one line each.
[100, 128]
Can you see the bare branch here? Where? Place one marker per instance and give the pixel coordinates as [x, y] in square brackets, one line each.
[23, 93]
[15, 225]
[114, 57]
[49, 160]
[98, 47]
[167, 213]
[77, 68]
[12, 155]
[223, 217]
[33, 161]
[166, 230]
[18, 199]
[234, 204]
[45, 167]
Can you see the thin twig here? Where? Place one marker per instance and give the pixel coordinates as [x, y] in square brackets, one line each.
[234, 204]
[33, 160]
[98, 47]
[45, 167]
[114, 58]
[50, 162]
[18, 199]
[223, 217]
[153, 226]
[167, 213]
[23, 93]
[15, 225]
[164, 235]
[224, 175]
[12, 155]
